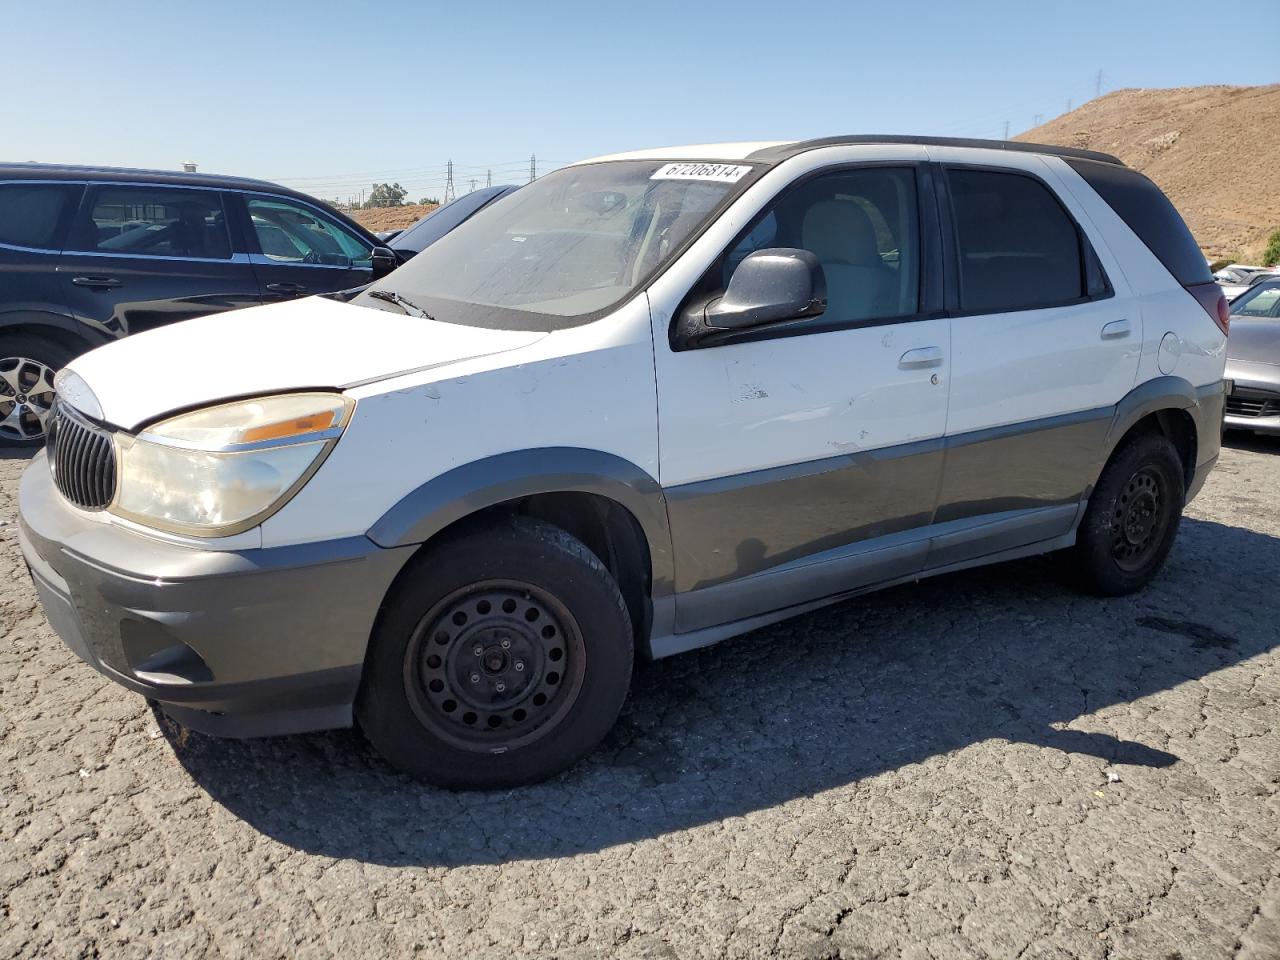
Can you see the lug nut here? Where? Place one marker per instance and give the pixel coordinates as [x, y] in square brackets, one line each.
[475, 678]
[506, 644]
[519, 665]
[500, 687]
[478, 651]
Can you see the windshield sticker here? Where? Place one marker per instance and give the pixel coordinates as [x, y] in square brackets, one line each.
[717, 172]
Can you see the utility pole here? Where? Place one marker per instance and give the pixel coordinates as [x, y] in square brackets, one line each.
[488, 178]
[1006, 129]
[448, 184]
[1068, 105]
[533, 167]
[1097, 85]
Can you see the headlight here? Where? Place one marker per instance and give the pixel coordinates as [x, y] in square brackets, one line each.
[224, 469]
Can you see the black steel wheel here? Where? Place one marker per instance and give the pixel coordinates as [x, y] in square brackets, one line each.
[1132, 518]
[1136, 519]
[497, 663]
[502, 656]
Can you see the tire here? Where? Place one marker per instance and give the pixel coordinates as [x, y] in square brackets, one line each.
[27, 365]
[1132, 518]
[501, 657]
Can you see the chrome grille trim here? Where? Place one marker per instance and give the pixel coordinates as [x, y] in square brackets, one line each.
[82, 457]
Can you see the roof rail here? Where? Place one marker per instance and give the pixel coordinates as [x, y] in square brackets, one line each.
[786, 150]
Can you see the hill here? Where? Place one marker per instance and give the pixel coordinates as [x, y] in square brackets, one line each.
[1213, 150]
[391, 218]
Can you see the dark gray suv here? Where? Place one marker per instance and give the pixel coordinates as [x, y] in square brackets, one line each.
[91, 254]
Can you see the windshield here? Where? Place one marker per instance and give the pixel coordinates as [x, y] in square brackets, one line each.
[566, 248]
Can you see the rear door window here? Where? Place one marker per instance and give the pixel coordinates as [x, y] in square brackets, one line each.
[290, 232]
[154, 222]
[32, 213]
[1018, 248]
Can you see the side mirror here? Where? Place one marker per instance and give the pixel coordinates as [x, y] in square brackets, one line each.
[384, 261]
[782, 283]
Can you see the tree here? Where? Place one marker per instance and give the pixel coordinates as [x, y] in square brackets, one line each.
[386, 195]
[434, 201]
[1272, 257]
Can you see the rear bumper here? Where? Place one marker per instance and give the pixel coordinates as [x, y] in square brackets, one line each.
[233, 643]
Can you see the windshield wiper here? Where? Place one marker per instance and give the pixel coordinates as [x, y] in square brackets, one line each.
[404, 303]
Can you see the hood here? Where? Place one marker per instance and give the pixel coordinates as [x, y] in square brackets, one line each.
[1257, 341]
[297, 344]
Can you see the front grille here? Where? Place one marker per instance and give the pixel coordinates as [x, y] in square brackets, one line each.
[83, 459]
[1246, 406]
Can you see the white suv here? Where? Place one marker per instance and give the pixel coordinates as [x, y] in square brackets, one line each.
[643, 404]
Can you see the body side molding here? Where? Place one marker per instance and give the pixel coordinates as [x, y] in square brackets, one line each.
[462, 491]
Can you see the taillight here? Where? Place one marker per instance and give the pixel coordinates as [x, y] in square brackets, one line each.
[1209, 296]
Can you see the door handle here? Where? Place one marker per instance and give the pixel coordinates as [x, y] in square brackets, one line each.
[1116, 329]
[96, 283]
[921, 358]
[286, 288]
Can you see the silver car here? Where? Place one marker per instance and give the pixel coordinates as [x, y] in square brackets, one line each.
[1253, 360]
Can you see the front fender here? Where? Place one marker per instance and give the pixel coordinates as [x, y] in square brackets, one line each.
[464, 490]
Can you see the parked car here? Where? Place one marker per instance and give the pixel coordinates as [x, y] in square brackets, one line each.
[91, 254]
[421, 234]
[1235, 273]
[1253, 359]
[1235, 280]
[645, 403]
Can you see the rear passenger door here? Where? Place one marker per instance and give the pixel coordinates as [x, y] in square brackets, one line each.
[140, 256]
[297, 250]
[1046, 340]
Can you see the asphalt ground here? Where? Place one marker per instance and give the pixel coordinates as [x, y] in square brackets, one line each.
[982, 765]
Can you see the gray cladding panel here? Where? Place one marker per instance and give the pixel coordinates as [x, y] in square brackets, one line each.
[1042, 464]
[733, 527]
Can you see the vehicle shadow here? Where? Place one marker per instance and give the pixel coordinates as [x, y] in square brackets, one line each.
[1256, 442]
[868, 686]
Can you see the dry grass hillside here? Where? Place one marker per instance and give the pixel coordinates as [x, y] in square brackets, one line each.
[391, 218]
[1214, 150]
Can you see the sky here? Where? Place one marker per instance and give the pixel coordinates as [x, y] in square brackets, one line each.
[331, 97]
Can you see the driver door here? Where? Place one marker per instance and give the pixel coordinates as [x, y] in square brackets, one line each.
[297, 250]
[799, 466]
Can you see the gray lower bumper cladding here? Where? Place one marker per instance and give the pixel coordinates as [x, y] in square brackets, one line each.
[233, 643]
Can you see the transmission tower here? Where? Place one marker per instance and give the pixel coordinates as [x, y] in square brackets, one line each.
[473, 185]
[533, 167]
[448, 184]
[488, 178]
[1006, 129]
[1097, 85]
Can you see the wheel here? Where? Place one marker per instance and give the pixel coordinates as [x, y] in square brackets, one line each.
[1132, 518]
[27, 366]
[501, 656]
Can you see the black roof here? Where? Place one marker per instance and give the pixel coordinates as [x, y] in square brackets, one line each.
[176, 178]
[787, 150]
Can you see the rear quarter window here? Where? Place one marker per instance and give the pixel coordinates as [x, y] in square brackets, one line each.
[1149, 214]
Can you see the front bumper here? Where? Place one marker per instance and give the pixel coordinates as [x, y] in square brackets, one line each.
[233, 643]
[1254, 403]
